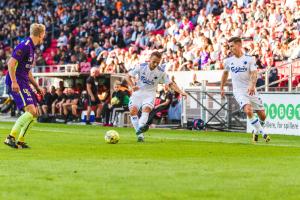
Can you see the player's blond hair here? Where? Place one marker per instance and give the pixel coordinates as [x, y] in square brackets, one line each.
[94, 69]
[37, 29]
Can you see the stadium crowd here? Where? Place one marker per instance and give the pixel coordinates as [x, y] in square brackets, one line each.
[114, 35]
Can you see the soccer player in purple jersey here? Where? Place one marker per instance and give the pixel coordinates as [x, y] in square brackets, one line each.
[18, 80]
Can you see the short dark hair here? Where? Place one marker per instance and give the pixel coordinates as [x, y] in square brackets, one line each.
[235, 40]
[156, 54]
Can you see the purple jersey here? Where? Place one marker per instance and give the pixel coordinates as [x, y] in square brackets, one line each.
[24, 54]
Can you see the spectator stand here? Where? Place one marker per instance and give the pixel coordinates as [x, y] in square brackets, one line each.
[287, 77]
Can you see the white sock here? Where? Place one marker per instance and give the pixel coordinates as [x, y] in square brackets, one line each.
[135, 122]
[144, 118]
[256, 124]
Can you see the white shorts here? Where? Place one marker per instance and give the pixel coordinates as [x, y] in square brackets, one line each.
[141, 99]
[254, 100]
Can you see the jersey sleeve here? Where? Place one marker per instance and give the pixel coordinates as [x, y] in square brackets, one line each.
[89, 80]
[135, 70]
[252, 64]
[20, 52]
[165, 79]
[226, 65]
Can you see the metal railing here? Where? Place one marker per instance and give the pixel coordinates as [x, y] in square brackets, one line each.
[218, 113]
[290, 67]
[56, 68]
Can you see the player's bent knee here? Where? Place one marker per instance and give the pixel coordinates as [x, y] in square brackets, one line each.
[147, 109]
[262, 115]
[133, 111]
[248, 111]
[32, 109]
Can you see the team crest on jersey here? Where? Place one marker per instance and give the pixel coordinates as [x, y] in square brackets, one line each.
[19, 52]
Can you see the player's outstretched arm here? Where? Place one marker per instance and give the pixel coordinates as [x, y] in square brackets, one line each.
[223, 82]
[12, 64]
[175, 87]
[34, 83]
[131, 83]
[253, 80]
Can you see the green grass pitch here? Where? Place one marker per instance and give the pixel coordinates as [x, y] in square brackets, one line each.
[74, 162]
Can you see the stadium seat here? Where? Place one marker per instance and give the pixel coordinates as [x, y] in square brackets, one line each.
[296, 81]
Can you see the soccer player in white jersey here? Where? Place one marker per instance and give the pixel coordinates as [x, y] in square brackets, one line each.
[243, 71]
[148, 75]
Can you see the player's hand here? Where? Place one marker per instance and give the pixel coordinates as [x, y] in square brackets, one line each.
[39, 90]
[15, 87]
[222, 93]
[183, 94]
[92, 98]
[135, 88]
[251, 90]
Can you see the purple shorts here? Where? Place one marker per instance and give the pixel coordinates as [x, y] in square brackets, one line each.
[24, 97]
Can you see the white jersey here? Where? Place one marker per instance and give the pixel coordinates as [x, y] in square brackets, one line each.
[147, 79]
[239, 69]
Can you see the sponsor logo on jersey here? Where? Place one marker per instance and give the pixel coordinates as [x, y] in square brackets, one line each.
[27, 66]
[147, 81]
[239, 69]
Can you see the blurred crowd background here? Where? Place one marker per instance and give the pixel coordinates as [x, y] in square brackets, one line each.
[114, 35]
